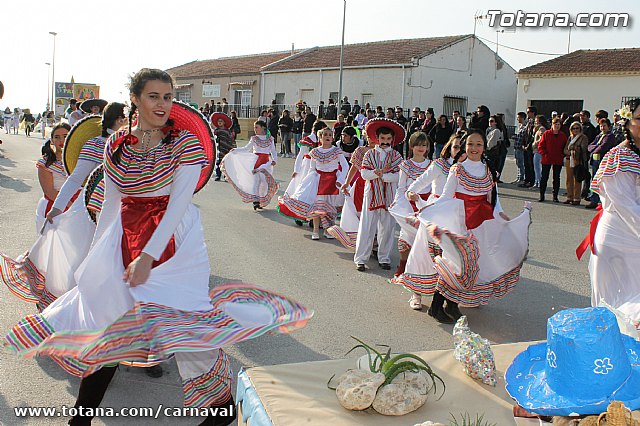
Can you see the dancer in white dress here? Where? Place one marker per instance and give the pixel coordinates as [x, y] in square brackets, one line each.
[615, 231]
[150, 261]
[249, 169]
[318, 196]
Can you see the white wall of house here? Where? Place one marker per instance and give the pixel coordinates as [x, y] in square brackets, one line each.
[455, 72]
[603, 92]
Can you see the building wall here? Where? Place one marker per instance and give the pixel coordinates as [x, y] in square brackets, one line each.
[447, 72]
[226, 91]
[455, 72]
[604, 92]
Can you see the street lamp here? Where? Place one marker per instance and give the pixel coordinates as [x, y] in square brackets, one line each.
[53, 73]
[48, 82]
[344, 15]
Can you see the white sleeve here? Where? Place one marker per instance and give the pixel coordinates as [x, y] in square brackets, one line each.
[274, 153]
[342, 174]
[391, 177]
[74, 182]
[248, 147]
[423, 180]
[492, 140]
[304, 150]
[620, 190]
[368, 174]
[402, 181]
[184, 183]
[450, 187]
[110, 207]
[498, 207]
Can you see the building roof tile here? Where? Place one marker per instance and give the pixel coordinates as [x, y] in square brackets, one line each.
[236, 65]
[585, 62]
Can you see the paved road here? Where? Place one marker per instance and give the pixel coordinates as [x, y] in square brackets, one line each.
[267, 249]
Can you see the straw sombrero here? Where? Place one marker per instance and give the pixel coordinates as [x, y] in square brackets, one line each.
[94, 192]
[86, 128]
[374, 124]
[218, 115]
[188, 118]
[86, 105]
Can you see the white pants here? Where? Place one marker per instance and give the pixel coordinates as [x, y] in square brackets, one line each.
[370, 221]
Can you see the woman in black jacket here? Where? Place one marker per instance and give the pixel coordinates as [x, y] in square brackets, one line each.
[440, 134]
[285, 124]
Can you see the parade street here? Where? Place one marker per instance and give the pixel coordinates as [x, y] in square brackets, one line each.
[269, 250]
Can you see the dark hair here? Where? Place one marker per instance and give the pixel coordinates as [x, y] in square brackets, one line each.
[633, 105]
[492, 170]
[111, 113]
[72, 101]
[606, 121]
[260, 123]
[522, 114]
[384, 130]
[317, 126]
[446, 149]
[349, 131]
[47, 151]
[419, 138]
[602, 114]
[136, 85]
[543, 121]
[585, 112]
[532, 109]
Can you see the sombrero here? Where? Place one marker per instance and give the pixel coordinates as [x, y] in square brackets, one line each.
[94, 192]
[86, 105]
[185, 117]
[84, 129]
[218, 115]
[585, 364]
[1, 90]
[374, 124]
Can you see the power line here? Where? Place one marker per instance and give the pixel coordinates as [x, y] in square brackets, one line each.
[521, 50]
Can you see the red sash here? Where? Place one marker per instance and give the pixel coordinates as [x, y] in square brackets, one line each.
[327, 184]
[140, 218]
[590, 238]
[50, 203]
[358, 191]
[424, 197]
[477, 209]
[262, 159]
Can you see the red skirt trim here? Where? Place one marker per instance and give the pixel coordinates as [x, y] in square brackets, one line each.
[477, 209]
[424, 197]
[140, 218]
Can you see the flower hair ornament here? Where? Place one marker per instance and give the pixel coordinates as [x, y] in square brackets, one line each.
[625, 112]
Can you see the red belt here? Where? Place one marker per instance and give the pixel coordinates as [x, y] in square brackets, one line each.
[262, 159]
[476, 209]
[140, 218]
[358, 191]
[327, 184]
[590, 238]
[424, 197]
[50, 203]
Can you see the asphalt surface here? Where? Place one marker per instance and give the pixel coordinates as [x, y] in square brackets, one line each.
[268, 249]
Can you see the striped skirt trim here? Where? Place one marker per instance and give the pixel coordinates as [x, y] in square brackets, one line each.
[264, 200]
[403, 245]
[347, 239]
[213, 387]
[25, 281]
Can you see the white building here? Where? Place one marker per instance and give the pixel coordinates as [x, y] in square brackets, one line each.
[584, 79]
[445, 73]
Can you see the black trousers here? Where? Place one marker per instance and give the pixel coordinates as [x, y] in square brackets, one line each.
[92, 389]
[544, 178]
[529, 173]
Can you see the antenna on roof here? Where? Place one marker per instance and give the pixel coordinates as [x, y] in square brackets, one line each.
[293, 48]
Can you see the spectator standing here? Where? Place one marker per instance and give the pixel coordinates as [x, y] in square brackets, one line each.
[360, 118]
[296, 129]
[618, 128]
[428, 124]
[527, 149]
[356, 107]
[461, 125]
[590, 130]
[440, 135]
[454, 120]
[346, 106]
[263, 116]
[235, 125]
[272, 125]
[285, 124]
[332, 111]
[541, 126]
[551, 147]
[309, 119]
[576, 153]
[416, 122]
[598, 148]
[225, 106]
[494, 141]
[504, 146]
[481, 119]
[321, 110]
[402, 120]
[337, 128]
[518, 151]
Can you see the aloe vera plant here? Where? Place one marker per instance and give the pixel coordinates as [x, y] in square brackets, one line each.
[467, 420]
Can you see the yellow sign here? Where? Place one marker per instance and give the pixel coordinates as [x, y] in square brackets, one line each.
[85, 91]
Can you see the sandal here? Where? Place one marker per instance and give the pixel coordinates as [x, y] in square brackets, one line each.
[415, 302]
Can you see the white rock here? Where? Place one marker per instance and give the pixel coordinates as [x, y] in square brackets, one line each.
[406, 393]
[429, 423]
[357, 389]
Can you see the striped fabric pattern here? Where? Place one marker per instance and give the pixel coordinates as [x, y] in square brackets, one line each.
[213, 387]
[97, 198]
[93, 150]
[152, 332]
[57, 167]
[381, 192]
[403, 245]
[347, 239]
[479, 185]
[308, 142]
[434, 250]
[139, 173]
[262, 143]
[443, 165]
[358, 156]
[412, 170]
[24, 280]
[272, 188]
[618, 159]
[327, 157]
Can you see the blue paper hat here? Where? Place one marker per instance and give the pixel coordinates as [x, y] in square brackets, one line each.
[585, 364]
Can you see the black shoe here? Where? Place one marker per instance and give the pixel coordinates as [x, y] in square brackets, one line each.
[360, 267]
[591, 206]
[298, 222]
[525, 185]
[555, 200]
[256, 205]
[541, 200]
[385, 266]
[217, 179]
[154, 372]
[228, 408]
[440, 316]
[453, 311]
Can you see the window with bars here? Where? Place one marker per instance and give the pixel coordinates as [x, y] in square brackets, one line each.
[454, 103]
[184, 96]
[626, 99]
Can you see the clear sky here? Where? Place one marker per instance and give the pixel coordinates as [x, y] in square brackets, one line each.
[103, 42]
